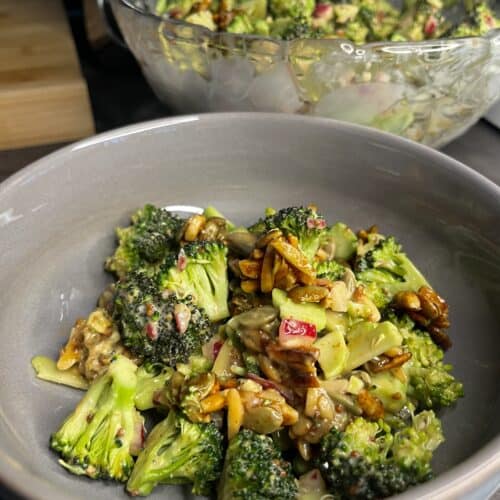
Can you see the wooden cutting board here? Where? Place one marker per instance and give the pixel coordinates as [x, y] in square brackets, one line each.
[43, 96]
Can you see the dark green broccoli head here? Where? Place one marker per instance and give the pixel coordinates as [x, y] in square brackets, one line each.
[158, 327]
[178, 451]
[384, 270]
[300, 27]
[99, 437]
[304, 223]
[201, 272]
[330, 269]
[431, 385]
[146, 242]
[254, 469]
[366, 461]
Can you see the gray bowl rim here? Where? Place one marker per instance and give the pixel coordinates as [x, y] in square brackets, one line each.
[481, 468]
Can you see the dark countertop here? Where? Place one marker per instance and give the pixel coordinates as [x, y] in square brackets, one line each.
[120, 96]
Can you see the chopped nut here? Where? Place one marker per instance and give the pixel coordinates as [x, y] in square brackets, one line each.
[214, 402]
[193, 226]
[309, 293]
[249, 286]
[266, 275]
[265, 239]
[250, 268]
[235, 412]
[386, 363]
[372, 407]
[257, 254]
[407, 300]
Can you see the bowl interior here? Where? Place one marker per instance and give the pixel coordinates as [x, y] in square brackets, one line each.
[57, 221]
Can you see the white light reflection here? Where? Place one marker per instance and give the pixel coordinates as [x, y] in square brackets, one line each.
[189, 209]
[132, 130]
[8, 216]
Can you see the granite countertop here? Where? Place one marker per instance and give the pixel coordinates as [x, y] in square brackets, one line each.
[120, 96]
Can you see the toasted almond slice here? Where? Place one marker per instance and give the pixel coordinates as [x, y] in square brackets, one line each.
[249, 286]
[193, 226]
[214, 402]
[257, 254]
[70, 354]
[293, 256]
[235, 412]
[266, 275]
[250, 268]
[265, 239]
[290, 415]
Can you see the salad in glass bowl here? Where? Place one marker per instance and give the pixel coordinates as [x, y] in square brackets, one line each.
[426, 71]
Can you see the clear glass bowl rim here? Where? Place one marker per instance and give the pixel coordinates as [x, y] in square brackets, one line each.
[492, 36]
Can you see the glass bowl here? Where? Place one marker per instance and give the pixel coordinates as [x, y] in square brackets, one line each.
[429, 91]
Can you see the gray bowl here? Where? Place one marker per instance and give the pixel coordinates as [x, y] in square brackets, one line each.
[57, 218]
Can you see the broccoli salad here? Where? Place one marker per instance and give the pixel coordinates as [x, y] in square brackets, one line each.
[290, 359]
[360, 21]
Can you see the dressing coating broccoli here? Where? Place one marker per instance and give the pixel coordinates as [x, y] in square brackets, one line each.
[330, 269]
[367, 461]
[303, 223]
[178, 451]
[146, 242]
[156, 326]
[97, 439]
[151, 378]
[384, 269]
[254, 469]
[201, 272]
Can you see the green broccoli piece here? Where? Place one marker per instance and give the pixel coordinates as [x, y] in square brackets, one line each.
[385, 270]
[254, 470]
[146, 242]
[300, 27]
[151, 378]
[97, 439]
[414, 445]
[240, 24]
[201, 272]
[292, 8]
[330, 269]
[367, 461]
[178, 451]
[431, 385]
[156, 326]
[481, 19]
[304, 223]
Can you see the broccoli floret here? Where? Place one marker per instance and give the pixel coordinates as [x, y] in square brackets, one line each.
[386, 270]
[240, 24]
[431, 385]
[414, 445]
[303, 223]
[146, 242]
[300, 27]
[158, 327]
[178, 451]
[97, 439]
[330, 269]
[366, 461]
[254, 470]
[291, 8]
[151, 378]
[201, 272]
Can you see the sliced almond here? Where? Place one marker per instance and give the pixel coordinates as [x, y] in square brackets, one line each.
[235, 412]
